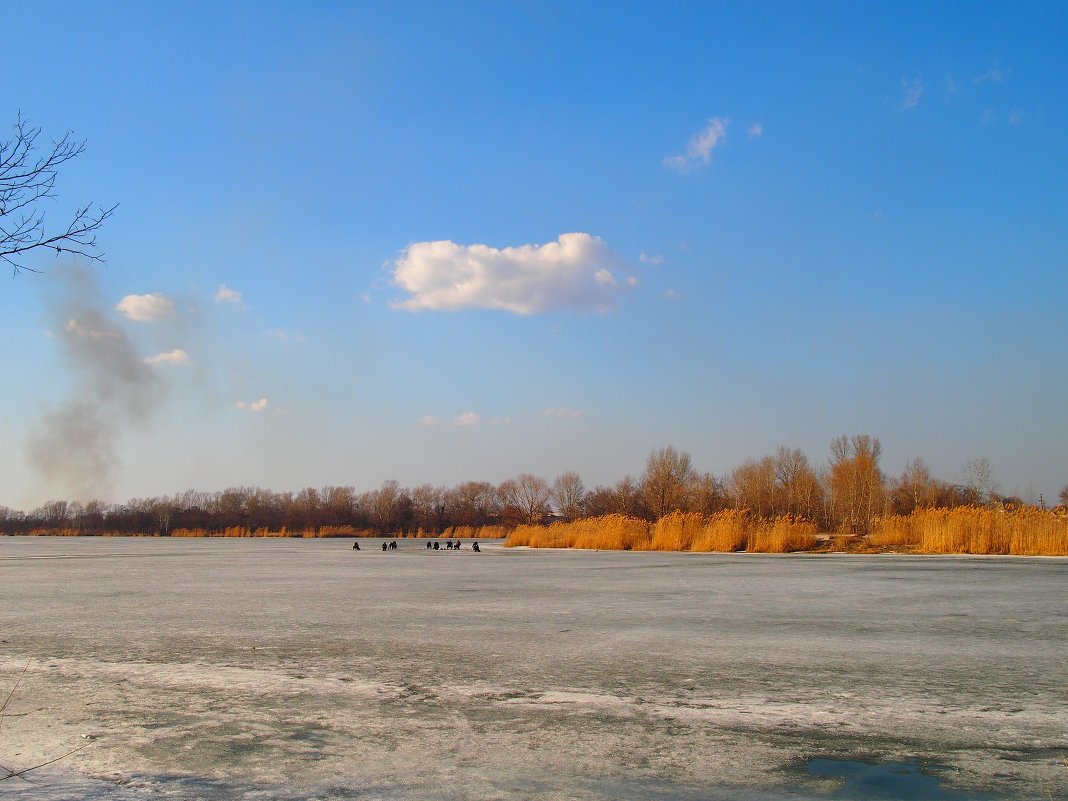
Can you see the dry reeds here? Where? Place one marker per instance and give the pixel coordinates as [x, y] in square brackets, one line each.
[676, 531]
[607, 533]
[969, 529]
[731, 530]
[724, 531]
[784, 534]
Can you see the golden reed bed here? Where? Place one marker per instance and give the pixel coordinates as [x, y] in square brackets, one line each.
[731, 530]
[972, 530]
[969, 529]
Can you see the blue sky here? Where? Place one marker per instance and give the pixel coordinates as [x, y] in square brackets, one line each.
[726, 227]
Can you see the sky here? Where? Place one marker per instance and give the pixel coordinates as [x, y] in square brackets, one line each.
[439, 242]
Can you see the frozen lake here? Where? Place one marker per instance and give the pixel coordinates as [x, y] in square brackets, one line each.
[299, 669]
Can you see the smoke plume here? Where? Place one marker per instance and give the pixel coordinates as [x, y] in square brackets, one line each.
[74, 445]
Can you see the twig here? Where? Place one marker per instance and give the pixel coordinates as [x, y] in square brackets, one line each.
[21, 774]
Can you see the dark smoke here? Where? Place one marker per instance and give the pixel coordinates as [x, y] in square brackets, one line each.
[113, 390]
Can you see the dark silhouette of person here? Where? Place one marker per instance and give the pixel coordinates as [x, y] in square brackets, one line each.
[393, 545]
[429, 545]
[474, 547]
[384, 546]
[437, 547]
[355, 546]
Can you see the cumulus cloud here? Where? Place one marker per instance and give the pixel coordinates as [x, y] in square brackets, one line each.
[176, 356]
[561, 411]
[654, 259]
[146, 308]
[577, 272]
[227, 295]
[913, 90]
[699, 148]
[467, 419]
[756, 129]
[253, 406]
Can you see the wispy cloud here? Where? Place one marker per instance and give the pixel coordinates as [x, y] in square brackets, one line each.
[466, 420]
[577, 272]
[912, 92]
[1015, 116]
[146, 308]
[429, 421]
[253, 406]
[227, 295]
[176, 356]
[993, 75]
[561, 411]
[699, 148]
[655, 259]
[755, 130]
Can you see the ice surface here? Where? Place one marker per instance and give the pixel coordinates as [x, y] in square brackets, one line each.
[300, 669]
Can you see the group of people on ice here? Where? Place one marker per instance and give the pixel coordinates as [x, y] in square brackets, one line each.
[431, 544]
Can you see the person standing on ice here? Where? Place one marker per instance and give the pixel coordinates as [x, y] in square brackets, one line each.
[474, 547]
[355, 546]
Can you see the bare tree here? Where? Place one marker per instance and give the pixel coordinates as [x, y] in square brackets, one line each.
[856, 483]
[1064, 494]
[668, 473]
[568, 493]
[979, 483]
[27, 178]
[525, 497]
[753, 486]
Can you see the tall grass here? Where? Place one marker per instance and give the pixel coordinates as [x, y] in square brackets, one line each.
[1024, 531]
[783, 534]
[731, 530]
[724, 531]
[607, 533]
[676, 531]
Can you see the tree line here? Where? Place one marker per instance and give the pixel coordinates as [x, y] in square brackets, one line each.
[845, 495]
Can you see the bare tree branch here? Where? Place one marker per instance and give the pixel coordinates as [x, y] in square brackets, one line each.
[25, 182]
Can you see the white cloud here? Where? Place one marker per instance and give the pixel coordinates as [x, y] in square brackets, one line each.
[632, 280]
[671, 294]
[573, 273]
[227, 295]
[654, 259]
[699, 148]
[254, 406]
[429, 420]
[913, 91]
[561, 411]
[605, 277]
[756, 129]
[146, 308]
[1015, 116]
[467, 419]
[176, 356]
[365, 297]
